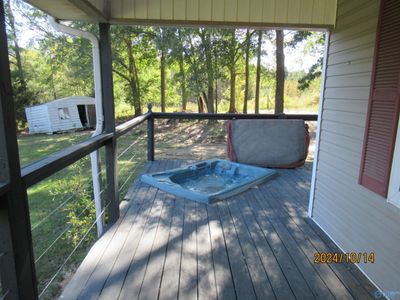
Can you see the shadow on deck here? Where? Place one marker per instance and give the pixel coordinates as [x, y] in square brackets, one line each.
[256, 245]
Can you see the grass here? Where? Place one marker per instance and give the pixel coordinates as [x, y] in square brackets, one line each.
[34, 147]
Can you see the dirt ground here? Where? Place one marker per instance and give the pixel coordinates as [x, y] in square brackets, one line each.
[199, 140]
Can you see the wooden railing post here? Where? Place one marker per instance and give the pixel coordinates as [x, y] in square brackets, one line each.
[150, 135]
[112, 199]
[16, 253]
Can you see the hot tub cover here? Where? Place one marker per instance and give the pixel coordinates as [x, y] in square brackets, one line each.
[268, 143]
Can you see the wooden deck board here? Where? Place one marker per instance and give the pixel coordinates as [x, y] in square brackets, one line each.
[188, 272]
[256, 245]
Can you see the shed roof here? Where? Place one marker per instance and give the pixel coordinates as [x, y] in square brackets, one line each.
[83, 98]
[253, 13]
[72, 98]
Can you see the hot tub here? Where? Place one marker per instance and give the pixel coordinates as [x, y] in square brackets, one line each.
[209, 181]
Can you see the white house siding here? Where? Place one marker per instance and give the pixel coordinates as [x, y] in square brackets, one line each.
[38, 119]
[356, 219]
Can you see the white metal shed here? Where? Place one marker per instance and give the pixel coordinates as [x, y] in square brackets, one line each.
[61, 115]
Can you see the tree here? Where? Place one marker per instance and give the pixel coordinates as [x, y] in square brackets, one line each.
[125, 65]
[258, 73]
[206, 36]
[249, 48]
[280, 73]
[247, 57]
[162, 37]
[22, 95]
[233, 50]
[230, 52]
[315, 41]
[194, 57]
[179, 52]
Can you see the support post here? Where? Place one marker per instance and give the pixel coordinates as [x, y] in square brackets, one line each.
[112, 201]
[150, 135]
[17, 261]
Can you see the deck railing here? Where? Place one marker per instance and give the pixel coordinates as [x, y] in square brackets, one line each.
[48, 166]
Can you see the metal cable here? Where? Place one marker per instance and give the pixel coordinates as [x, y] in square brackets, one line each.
[53, 212]
[129, 161]
[4, 295]
[133, 172]
[59, 236]
[127, 148]
[73, 251]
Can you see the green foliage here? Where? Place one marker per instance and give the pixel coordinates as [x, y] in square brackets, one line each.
[314, 41]
[198, 61]
[313, 73]
[81, 212]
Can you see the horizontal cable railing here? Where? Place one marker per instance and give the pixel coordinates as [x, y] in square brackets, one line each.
[52, 220]
[4, 294]
[53, 212]
[63, 218]
[41, 293]
[131, 156]
[56, 250]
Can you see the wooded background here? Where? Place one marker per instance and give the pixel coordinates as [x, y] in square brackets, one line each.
[223, 70]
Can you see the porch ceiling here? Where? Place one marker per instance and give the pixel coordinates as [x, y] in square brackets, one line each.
[258, 13]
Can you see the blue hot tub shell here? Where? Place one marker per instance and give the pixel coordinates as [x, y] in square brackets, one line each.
[209, 181]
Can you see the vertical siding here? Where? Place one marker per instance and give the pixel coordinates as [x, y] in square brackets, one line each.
[38, 119]
[285, 12]
[154, 9]
[179, 9]
[357, 219]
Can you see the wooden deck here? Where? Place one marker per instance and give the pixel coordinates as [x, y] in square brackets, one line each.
[257, 245]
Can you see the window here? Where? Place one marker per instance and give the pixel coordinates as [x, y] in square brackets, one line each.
[63, 113]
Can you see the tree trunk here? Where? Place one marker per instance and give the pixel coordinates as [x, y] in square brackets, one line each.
[17, 49]
[280, 73]
[232, 105]
[202, 102]
[133, 79]
[258, 75]
[183, 82]
[162, 70]
[182, 73]
[232, 71]
[210, 98]
[206, 40]
[216, 96]
[246, 84]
